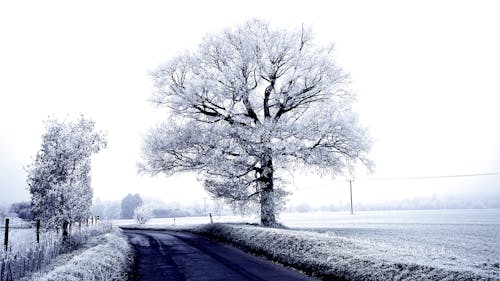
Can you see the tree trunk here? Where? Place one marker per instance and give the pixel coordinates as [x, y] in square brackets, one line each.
[65, 232]
[267, 208]
[267, 211]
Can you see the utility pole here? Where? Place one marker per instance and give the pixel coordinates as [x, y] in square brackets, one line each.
[350, 188]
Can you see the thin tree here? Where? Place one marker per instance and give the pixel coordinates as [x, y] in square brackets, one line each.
[249, 102]
[59, 178]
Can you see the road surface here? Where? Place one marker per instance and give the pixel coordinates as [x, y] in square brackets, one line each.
[167, 255]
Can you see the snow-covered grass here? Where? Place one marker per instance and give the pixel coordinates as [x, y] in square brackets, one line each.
[18, 237]
[20, 232]
[25, 255]
[104, 257]
[326, 256]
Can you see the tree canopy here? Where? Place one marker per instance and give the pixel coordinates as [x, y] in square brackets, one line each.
[22, 209]
[129, 204]
[249, 102]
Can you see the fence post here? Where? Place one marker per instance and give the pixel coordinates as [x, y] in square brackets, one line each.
[38, 231]
[211, 220]
[6, 237]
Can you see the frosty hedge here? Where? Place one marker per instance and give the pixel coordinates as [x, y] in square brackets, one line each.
[325, 257]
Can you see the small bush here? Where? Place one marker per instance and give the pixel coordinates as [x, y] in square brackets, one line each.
[143, 213]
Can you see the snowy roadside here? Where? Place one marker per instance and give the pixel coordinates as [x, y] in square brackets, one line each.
[103, 257]
[325, 255]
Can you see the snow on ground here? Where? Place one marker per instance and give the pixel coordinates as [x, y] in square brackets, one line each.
[182, 221]
[104, 257]
[19, 237]
[20, 232]
[401, 245]
[449, 239]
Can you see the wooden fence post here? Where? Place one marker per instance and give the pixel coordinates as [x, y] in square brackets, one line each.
[6, 237]
[38, 231]
[211, 220]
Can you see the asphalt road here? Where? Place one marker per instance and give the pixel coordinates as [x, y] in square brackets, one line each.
[166, 255]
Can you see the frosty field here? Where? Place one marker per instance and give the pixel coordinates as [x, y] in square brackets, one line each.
[450, 239]
[457, 240]
[19, 237]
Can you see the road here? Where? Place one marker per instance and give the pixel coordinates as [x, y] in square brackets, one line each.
[168, 255]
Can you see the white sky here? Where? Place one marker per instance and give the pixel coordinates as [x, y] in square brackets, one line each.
[427, 74]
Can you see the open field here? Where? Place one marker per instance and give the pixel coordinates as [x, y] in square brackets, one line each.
[449, 239]
[19, 236]
[23, 237]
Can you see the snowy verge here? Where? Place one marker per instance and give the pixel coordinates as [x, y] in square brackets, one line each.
[325, 256]
[104, 257]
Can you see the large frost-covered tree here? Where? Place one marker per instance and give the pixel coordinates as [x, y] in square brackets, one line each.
[249, 102]
[59, 179]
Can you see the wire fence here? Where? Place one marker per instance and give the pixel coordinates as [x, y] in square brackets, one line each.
[27, 255]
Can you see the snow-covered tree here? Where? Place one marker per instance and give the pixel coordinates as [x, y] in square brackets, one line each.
[249, 102]
[129, 204]
[59, 178]
[22, 209]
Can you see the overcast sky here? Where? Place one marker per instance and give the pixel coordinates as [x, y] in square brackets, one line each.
[427, 74]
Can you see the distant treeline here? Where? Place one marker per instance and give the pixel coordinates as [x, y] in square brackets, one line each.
[159, 209]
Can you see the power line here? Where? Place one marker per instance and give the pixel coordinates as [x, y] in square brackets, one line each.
[400, 178]
[433, 177]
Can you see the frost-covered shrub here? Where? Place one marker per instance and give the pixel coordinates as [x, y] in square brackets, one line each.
[143, 213]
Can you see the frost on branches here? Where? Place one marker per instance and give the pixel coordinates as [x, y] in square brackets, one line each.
[143, 213]
[59, 178]
[252, 101]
